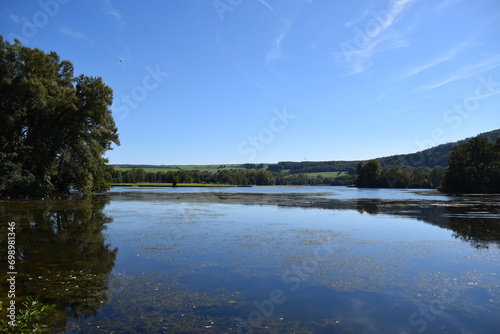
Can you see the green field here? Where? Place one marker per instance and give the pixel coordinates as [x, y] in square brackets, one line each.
[327, 174]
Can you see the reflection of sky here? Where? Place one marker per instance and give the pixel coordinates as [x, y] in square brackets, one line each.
[327, 191]
[381, 269]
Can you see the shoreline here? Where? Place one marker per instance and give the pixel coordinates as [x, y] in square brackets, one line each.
[179, 185]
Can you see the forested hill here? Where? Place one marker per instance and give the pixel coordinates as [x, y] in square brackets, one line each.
[432, 157]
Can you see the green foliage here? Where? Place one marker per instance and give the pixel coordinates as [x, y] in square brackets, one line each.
[34, 317]
[55, 127]
[222, 176]
[371, 175]
[433, 157]
[474, 167]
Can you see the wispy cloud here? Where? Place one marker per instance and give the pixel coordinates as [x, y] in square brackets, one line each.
[485, 96]
[112, 11]
[275, 51]
[401, 110]
[444, 4]
[15, 18]
[382, 96]
[441, 59]
[449, 55]
[464, 73]
[358, 54]
[73, 33]
[266, 4]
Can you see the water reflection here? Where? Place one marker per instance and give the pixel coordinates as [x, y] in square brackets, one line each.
[63, 256]
[475, 220]
[192, 262]
[477, 223]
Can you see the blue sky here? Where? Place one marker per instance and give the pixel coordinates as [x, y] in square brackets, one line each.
[236, 81]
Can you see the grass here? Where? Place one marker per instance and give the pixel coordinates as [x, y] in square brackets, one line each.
[327, 174]
[149, 184]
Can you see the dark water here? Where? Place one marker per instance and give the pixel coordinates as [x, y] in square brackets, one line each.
[261, 260]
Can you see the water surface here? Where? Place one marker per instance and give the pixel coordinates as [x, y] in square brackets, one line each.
[263, 260]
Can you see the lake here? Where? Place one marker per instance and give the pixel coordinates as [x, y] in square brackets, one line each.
[261, 260]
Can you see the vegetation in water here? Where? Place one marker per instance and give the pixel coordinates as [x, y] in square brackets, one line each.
[33, 317]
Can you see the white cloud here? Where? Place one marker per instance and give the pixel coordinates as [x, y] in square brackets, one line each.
[401, 110]
[382, 96]
[447, 4]
[15, 18]
[275, 51]
[367, 42]
[266, 4]
[72, 33]
[112, 11]
[465, 72]
[441, 59]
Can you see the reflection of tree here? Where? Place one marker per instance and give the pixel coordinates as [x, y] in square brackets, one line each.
[371, 207]
[463, 218]
[471, 224]
[62, 253]
[477, 231]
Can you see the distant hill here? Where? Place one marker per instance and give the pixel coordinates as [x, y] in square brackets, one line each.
[432, 157]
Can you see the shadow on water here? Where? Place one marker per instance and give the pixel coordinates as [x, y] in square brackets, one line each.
[62, 254]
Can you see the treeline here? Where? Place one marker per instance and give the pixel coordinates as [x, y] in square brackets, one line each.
[436, 156]
[473, 167]
[234, 177]
[313, 166]
[230, 176]
[370, 174]
[430, 158]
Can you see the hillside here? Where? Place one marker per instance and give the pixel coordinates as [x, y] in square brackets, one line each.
[432, 157]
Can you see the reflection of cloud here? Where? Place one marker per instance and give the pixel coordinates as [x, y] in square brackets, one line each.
[465, 72]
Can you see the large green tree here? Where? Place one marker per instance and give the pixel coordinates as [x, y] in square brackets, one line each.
[474, 167]
[369, 174]
[54, 127]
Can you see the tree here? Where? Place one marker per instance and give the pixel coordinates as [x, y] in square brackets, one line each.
[368, 174]
[54, 127]
[474, 167]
